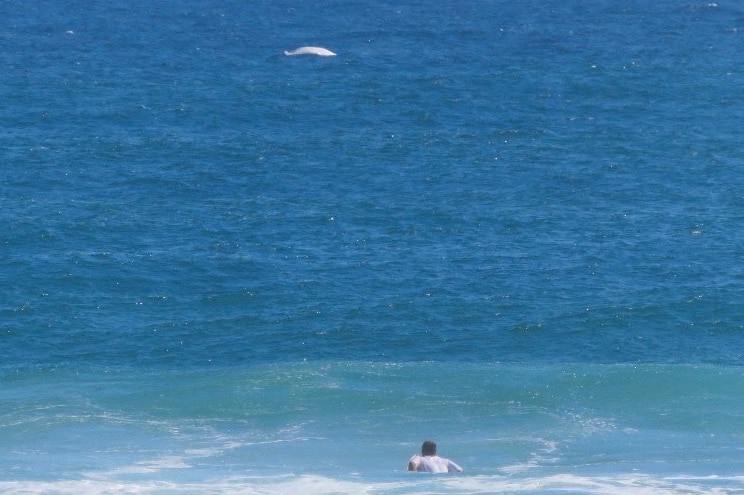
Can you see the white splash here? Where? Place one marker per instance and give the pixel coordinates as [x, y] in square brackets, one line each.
[311, 50]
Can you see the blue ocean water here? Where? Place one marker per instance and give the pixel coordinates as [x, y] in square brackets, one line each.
[514, 228]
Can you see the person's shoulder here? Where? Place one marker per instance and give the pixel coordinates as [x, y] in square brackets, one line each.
[451, 465]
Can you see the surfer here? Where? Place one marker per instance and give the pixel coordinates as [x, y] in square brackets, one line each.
[430, 462]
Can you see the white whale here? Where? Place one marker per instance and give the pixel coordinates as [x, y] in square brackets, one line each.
[311, 50]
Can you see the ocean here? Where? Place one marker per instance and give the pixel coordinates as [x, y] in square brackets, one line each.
[514, 228]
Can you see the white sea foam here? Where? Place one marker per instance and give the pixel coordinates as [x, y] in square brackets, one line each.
[637, 484]
[152, 466]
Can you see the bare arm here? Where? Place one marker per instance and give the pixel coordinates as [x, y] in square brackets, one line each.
[413, 464]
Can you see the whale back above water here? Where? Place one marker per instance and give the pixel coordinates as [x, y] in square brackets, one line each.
[311, 50]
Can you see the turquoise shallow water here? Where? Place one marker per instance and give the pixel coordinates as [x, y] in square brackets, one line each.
[515, 229]
[350, 427]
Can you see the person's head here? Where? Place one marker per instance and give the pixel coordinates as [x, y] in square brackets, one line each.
[428, 448]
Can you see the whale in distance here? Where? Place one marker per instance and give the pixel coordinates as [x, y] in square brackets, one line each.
[311, 50]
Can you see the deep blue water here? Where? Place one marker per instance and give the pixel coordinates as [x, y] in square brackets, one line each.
[513, 227]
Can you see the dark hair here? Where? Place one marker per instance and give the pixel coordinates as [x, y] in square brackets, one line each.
[429, 448]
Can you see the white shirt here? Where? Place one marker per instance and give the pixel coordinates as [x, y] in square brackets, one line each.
[434, 464]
